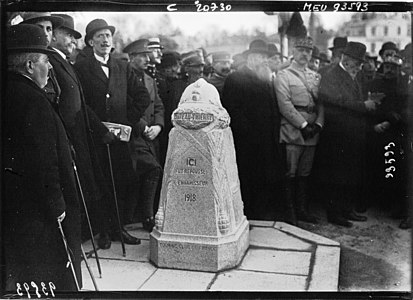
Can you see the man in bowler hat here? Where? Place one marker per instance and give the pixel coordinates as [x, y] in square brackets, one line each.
[116, 95]
[255, 123]
[39, 183]
[339, 44]
[342, 145]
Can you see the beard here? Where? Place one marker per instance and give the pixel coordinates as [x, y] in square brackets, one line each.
[263, 72]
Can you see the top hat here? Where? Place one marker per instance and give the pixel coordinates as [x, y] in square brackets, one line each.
[192, 59]
[96, 25]
[27, 38]
[154, 43]
[136, 47]
[339, 42]
[221, 56]
[257, 46]
[355, 50]
[34, 17]
[388, 46]
[69, 25]
[272, 48]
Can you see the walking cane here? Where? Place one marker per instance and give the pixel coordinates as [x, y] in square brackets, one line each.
[87, 217]
[88, 268]
[70, 262]
[116, 200]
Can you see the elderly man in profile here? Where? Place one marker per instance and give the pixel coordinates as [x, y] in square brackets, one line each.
[39, 185]
[302, 120]
[255, 123]
[116, 95]
[342, 145]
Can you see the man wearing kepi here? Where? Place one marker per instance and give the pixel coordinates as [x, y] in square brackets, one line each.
[39, 184]
[221, 63]
[342, 144]
[302, 120]
[145, 147]
[115, 94]
[255, 122]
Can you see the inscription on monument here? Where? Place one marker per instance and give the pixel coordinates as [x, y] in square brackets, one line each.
[193, 117]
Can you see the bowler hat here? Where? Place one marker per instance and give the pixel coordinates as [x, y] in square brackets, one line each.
[27, 38]
[221, 56]
[257, 46]
[34, 17]
[339, 42]
[304, 42]
[169, 59]
[407, 51]
[192, 59]
[138, 46]
[355, 50]
[69, 25]
[154, 43]
[96, 25]
[388, 46]
[273, 49]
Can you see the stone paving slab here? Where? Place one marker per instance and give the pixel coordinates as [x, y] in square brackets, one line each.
[268, 237]
[117, 275]
[258, 281]
[178, 280]
[275, 261]
[281, 257]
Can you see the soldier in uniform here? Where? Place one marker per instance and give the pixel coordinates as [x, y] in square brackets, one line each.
[301, 123]
[221, 63]
[145, 146]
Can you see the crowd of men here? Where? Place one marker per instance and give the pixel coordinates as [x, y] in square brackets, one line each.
[301, 125]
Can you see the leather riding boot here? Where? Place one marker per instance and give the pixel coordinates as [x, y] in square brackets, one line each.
[302, 201]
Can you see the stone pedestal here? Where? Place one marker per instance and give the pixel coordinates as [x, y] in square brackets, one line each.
[200, 224]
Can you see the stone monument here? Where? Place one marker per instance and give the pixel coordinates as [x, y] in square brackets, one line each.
[200, 224]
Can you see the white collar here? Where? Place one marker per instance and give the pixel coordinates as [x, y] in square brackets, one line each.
[101, 59]
[60, 52]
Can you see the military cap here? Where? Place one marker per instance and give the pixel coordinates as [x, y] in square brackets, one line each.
[221, 56]
[192, 59]
[154, 43]
[304, 42]
[138, 46]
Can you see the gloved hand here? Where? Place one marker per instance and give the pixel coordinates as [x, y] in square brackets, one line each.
[307, 131]
[110, 138]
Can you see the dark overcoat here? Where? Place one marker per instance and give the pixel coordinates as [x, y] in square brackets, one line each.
[121, 98]
[38, 185]
[255, 123]
[80, 122]
[340, 158]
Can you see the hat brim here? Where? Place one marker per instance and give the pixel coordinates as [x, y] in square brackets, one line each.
[355, 57]
[76, 34]
[56, 21]
[252, 51]
[43, 50]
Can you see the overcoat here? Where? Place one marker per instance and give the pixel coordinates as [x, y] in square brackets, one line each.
[81, 123]
[39, 186]
[340, 158]
[121, 98]
[255, 123]
[145, 153]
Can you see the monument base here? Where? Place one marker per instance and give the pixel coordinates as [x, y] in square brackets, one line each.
[199, 253]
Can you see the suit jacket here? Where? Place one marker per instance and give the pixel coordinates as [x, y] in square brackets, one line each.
[121, 98]
[291, 92]
[81, 123]
[39, 186]
[342, 143]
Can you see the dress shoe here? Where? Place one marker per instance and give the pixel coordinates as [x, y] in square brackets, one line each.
[104, 241]
[355, 217]
[127, 238]
[148, 224]
[340, 221]
[406, 223]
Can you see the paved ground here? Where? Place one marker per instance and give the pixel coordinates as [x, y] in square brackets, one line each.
[281, 257]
